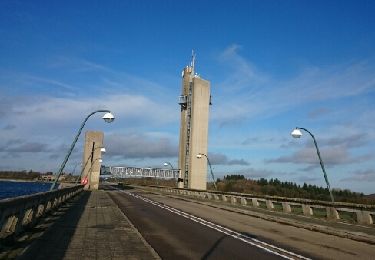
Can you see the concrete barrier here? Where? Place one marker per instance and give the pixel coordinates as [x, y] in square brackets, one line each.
[332, 213]
[269, 204]
[22, 212]
[364, 214]
[286, 207]
[307, 210]
[255, 202]
[365, 217]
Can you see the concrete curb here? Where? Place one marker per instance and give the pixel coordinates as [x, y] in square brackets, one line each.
[152, 250]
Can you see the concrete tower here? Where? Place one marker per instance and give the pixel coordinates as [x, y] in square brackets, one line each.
[194, 101]
[91, 159]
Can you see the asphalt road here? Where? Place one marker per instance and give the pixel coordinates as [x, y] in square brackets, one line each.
[175, 234]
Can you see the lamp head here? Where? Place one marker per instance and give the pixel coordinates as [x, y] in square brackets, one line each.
[102, 150]
[108, 117]
[296, 133]
[100, 160]
[199, 155]
[166, 164]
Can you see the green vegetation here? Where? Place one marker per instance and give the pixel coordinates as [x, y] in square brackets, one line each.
[33, 176]
[272, 187]
[275, 187]
[19, 175]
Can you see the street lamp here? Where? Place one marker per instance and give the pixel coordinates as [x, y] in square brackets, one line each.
[108, 117]
[180, 180]
[168, 163]
[296, 133]
[199, 156]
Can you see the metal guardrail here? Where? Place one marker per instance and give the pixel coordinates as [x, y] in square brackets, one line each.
[363, 214]
[19, 213]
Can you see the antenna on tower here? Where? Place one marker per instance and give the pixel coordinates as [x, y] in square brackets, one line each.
[192, 62]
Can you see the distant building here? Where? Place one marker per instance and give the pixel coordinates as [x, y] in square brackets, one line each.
[47, 177]
[51, 177]
[195, 101]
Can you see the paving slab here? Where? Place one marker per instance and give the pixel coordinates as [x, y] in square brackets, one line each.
[93, 227]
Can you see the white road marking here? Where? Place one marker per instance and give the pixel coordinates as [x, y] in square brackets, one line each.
[246, 239]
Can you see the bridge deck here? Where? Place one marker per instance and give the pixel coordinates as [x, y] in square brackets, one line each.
[93, 227]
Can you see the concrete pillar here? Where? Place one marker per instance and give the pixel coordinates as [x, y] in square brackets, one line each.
[364, 217]
[269, 204]
[255, 202]
[91, 156]
[233, 200]
[307, 210]
[286, 207]
[224, 198]
[332, 213]
[197, 91]
[216, 197]
[243, 201]
[209, 196]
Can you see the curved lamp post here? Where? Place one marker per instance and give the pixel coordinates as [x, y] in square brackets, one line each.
[108, 117]
[296, 133]
[199, 156]
[180, 180]
[168, 163]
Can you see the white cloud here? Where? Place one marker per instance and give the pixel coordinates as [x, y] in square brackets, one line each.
[248, 93]
[139, 146]
[361, 176]
[44, 112]
[331, 156]
[222, 159]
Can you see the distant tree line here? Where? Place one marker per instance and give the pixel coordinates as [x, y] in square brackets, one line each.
[275, 187]
[33, 176]
[234, 177]
[19, 175]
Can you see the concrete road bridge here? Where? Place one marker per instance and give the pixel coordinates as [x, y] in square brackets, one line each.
[133, 222]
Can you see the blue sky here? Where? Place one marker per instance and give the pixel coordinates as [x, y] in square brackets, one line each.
[273, 65]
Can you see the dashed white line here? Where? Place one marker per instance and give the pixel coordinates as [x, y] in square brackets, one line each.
[246, 239]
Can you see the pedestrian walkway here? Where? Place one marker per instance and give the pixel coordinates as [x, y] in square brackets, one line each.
[93, 227]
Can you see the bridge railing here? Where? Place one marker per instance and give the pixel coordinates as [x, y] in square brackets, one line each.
[359, 213]
[19, 213]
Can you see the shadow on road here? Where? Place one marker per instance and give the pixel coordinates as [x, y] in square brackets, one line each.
[52, 236]
[214, 246]
[120, 186]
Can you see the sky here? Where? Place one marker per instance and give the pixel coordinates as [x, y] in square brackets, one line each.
[272, 65]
